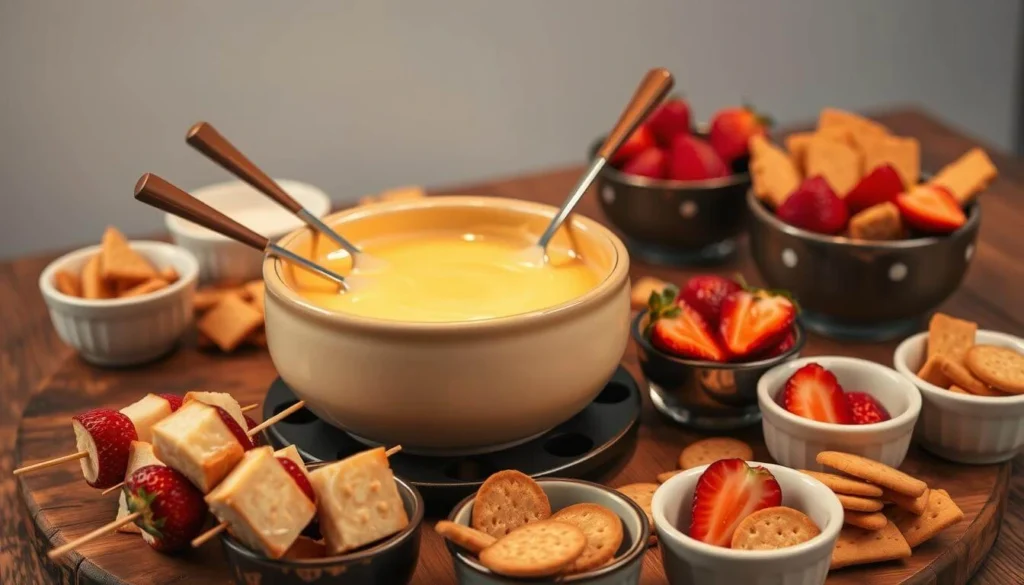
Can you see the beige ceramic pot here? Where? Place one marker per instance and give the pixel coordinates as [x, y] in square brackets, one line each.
[452, 387]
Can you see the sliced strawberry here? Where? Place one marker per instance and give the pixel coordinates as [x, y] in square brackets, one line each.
[687, 335]
[172, 510]
[173, 400]
[299, 476]
[813, 392]
[865, 409]
[640, 140]
[668, 121]
[257, 439]
[879, 186]
[705, 293]
[106, 435]
[787, 343]
[731, 130]
[692, 159]
[728, 491]
[815, 207]
[931, 208]
[754, 320]
[649, 163]
[240, 435]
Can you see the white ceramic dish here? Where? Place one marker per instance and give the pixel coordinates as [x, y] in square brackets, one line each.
[960, 427]
[222, 258]
[795, 441]
[121, 332]
[691, 562]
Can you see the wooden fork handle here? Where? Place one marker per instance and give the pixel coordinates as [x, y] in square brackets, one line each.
[652, 89]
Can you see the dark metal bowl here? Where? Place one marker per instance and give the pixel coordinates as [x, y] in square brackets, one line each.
[854, 289]
[675, 222]
[390, 562]
[705, 395]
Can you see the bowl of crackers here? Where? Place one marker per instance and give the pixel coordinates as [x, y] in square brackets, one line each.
[844, 219]
[972, 390]
[516, 529]
[121, 303]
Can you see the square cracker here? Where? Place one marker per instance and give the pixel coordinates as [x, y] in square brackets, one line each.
[878, 222]
[931, 372]
[940, 513]
[257, 294]
[120, 262]
[950, 337]
[858, 128]
[912, 505]
[838, 163]
[772, 171]
[904, 154]
[230, 322]
[856, 546]
[966, 176]
[796, 144]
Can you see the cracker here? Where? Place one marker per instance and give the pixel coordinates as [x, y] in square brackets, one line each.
[836, 162]
[642, 494]
[468, 538]
[68, 283]
[667, 475]
[865, 520]
[963, 378]
[878, 222]
[912, 505]
[940, 513]
[859, 504]
[774, 528]
[950, 337]
[640, 292]
[406, 193]
[507, 500]
[845, 485]
[257, 293]
[904, 154]
[169, 274]
[206, 299]
[857, 127]
[230, 322]
[710, 450]
[151, 285]
[120, 262]
[966, 176]
[537, 549]
[958, 390]
[1000, 367]
[877, 473]
[603, 529]
[931, 372]
[856, 546]
[796, 144]
[772, 172]
[93, 284]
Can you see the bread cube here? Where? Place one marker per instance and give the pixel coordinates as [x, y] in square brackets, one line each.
[223, 400]
[140, 454]
[292, 453]
[195, 441]
[145, 413]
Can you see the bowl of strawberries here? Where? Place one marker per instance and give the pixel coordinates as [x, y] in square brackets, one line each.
[704, 347]
[844, 219]
[678, 194]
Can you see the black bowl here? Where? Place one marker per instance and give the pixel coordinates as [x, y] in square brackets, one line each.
[389, 562]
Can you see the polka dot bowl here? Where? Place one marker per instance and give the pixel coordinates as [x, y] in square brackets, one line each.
[854, 289]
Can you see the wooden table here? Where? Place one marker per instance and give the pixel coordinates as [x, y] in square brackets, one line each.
[30, 351]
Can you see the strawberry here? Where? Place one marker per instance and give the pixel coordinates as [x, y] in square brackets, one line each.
[106, 435]
[240, 435]
[173, 400]
[731, 130]
[813, 392]
[300, 478]
[705, 293]
[686, 334]
[815, 207]
[879, 186]
[865, 409]
[783, 346]
[754, 320]
[649, 163]
[172, 510]
[931, 208]
[728, 491]
[692, 159]
[257, 439]
[670, 119]
[640, 140]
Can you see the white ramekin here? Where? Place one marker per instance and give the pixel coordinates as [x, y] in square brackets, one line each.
[795, 441]
[691, 562]
[121, 332]
[221, 258]
[960, 427]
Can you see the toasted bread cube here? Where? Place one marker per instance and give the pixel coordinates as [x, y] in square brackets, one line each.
[195, 441]
[261, 504]
[292, 453]
[140, 454]
[358, 501]
[145, 413]
[878, 222]
[223, 400]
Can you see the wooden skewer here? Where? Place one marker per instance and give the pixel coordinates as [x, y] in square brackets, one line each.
[106, 528]
[250, 407]
[277, 417]
[51, 462]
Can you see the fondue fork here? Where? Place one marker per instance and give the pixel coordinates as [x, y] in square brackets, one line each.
[652, 89]
[206, 139]
[154, 191]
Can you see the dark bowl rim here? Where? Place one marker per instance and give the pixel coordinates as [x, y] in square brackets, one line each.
[761, 213]
[634, 553]
[394, 541]
[617, 176]
[641, 339]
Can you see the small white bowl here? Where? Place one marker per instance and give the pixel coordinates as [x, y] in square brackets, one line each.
[960, 427]
[221, 258]
[690, 562]
[122, 332]
[795, 441]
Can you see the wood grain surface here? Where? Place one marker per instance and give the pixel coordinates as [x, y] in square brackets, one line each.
[36, 368]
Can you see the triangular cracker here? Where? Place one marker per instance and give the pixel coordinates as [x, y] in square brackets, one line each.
[93, 285]
[120, 262]
[857, 546]
[940, 513]
[837, 162]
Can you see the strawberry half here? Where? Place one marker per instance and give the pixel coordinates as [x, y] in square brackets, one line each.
[649, 163]
[706, 292]
[752, 321]
[240, 435]
[813, 392]
[670, 119]
[692, 159]
[173, 400]
[932, 209]
[172, 510]
[687, 335]
[879, 186]
[257, 439]
[106, 435]
[640, 140]
[731, 130]
[299, 476]
[815, 207]
[728, 491]
[787, 343]
[864, 409]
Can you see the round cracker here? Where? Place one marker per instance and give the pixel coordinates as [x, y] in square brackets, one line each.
[603, 529]
[468, 538]
[774, 528]
[538, 549]
[999, 367]
[507, 500]
[710, 450]
[642, 494]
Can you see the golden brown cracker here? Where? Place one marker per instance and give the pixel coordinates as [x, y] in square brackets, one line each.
[950, 337]
[603, 529]
[958, 390]
[468, 538]
[865, 520]
[206, 299]
[257, 292]
[859, 504]
[642, 494]
[904, 154]
[878, 222]
[120, 262]
[856, 546]
[912, 505]
[406, 193]
[507, 500]
[772, 172]
[858, 128]
[144, 288]
[774, 528]
[967, 176]
[538, 549]
[796, 145]
[845, 485]
[169, 274]
[999, 367]
[963, 378]
[641, 291]
[68, 283]
[931, 372]
[940, 513]
[870, 470]
[667, 475]
[712, 449]
[230, 322]
[839, 164]
[93, 284]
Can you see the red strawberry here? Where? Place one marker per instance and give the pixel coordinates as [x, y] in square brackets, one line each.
[787, 343]
[240, 435]
[686, 334]
[865, 409]
[692, 159]
[257, 439]
[705, 293]
[879, 186]
[649, 163]
[814, 206]
[754, 320]
[106, 435]
[728, 491]
[931, 208]
[173, 400]
[731, 130]
[813, 392]
[173, 510]
[640, 140]
[300, 478]
[669, 120]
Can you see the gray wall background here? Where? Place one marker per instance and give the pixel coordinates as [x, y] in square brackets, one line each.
[357, 96]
